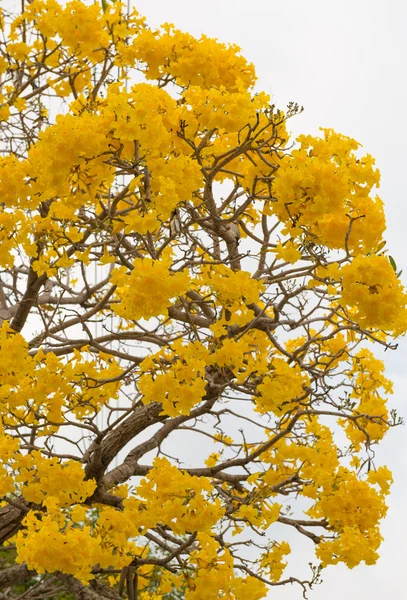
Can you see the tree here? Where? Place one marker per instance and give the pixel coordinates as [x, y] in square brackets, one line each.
[176, 273]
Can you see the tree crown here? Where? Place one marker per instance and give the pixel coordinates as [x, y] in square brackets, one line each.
[174, 268]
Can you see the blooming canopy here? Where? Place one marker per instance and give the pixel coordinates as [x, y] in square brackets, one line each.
[177, 274]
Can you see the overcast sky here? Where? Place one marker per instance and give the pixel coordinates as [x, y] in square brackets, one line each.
[345, 63]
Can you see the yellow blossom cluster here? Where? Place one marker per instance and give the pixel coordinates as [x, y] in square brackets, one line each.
[352, 507]
[44, 386]
[137, 292]
[288, 252]
[67, 163]
[252, 173]
[233, 290]
[150, 116]
[219, 108]
[47, 480]
[174, 498]
[283, 389]
[81, 27]
[263, 515]
[175, 377]
[214, 575]
[371, 287]
[43, 546]
[351, 547]
[371, 412]
[74, 536]
[167, 497]
[245, 356]
[9, 451]
[349, 503]
[272, 562]
[205, 62]
[322, 190]
[330, 349]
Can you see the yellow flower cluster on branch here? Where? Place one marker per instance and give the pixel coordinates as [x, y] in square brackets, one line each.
[138, 293]
[175, 499]
[323, 190]
[285, 385]
[370, 285]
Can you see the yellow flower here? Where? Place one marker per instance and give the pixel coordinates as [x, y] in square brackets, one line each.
[288, 252]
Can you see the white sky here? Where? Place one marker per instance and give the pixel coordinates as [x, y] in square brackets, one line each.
[344, 62]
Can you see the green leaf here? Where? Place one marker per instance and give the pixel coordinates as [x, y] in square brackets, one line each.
[381, 246]
[393, 263]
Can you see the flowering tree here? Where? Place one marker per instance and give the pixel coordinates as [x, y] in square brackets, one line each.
[176, 274]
